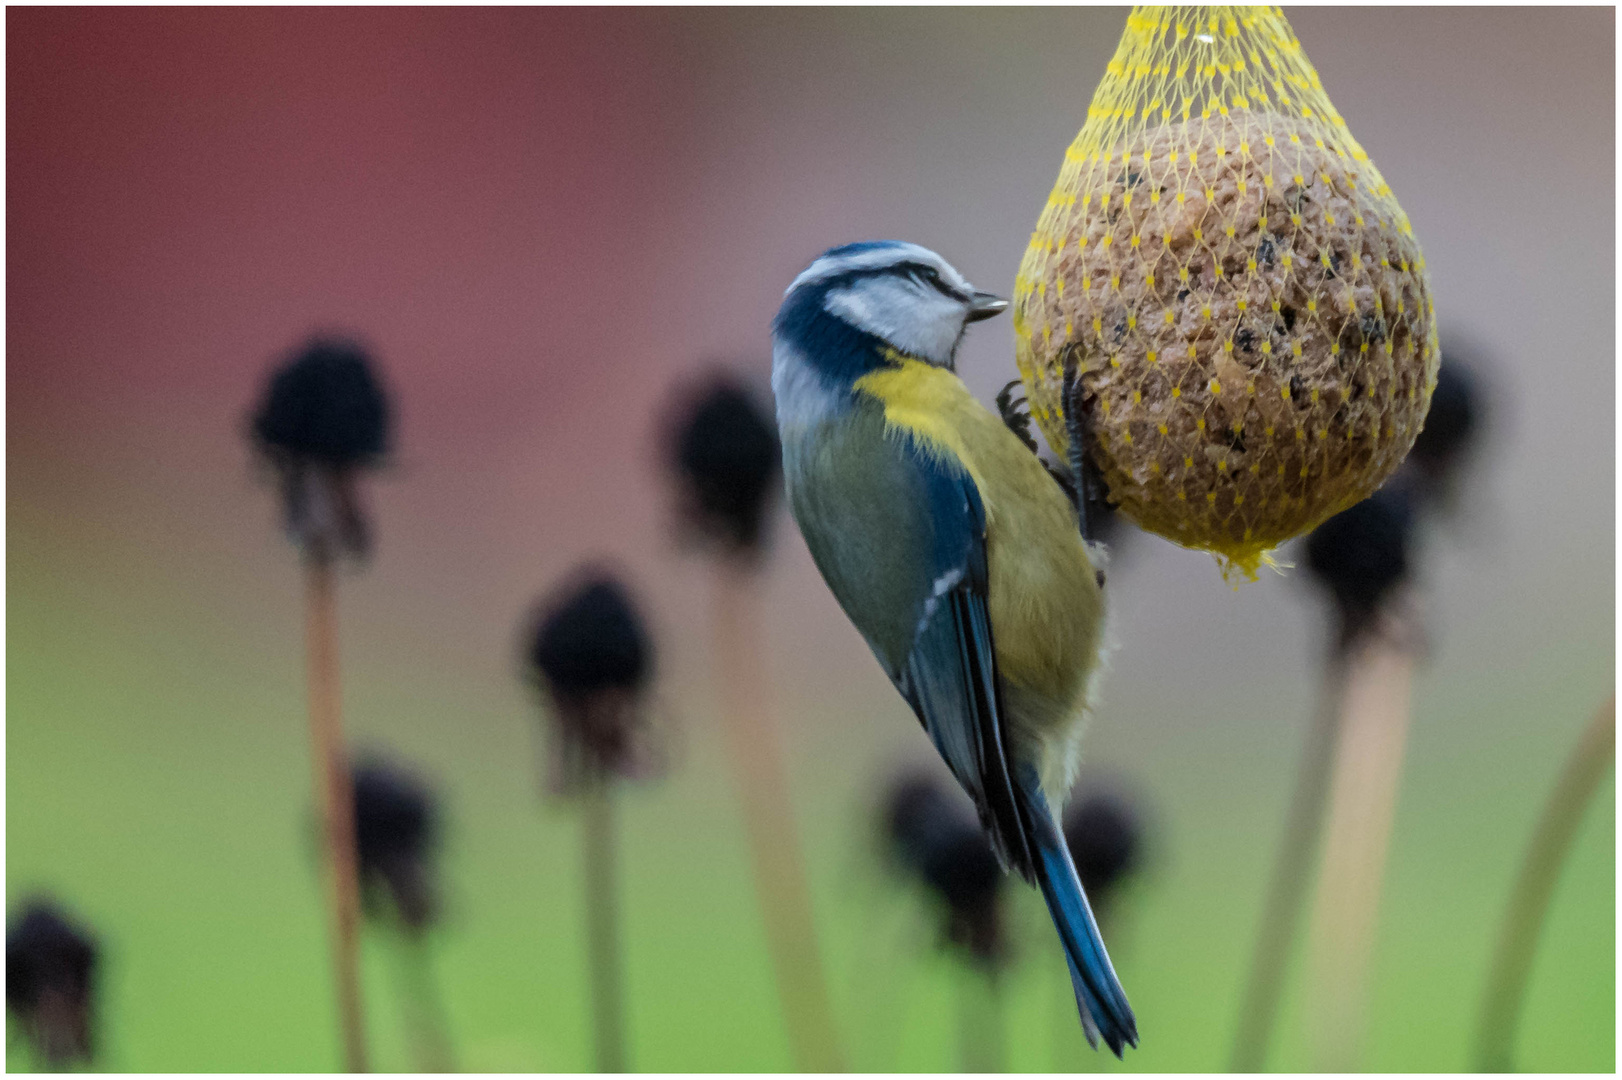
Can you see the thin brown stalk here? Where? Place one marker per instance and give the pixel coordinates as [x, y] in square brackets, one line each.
[336, 799]
[780, 881]
[1281, 910]
[1592, 757]
[1362, 806]
[602, 923]
[980, 1019]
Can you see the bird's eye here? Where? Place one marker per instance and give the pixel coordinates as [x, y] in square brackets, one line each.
[927, 277]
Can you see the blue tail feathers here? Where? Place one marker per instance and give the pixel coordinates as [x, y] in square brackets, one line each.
[1104, 1010]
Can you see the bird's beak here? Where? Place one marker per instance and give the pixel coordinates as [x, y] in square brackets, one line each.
[985, 305]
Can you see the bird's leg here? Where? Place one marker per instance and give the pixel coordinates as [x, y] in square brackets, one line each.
[1017, 416]
[1076, 431]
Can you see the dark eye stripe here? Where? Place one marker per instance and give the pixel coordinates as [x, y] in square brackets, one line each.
[928, 275]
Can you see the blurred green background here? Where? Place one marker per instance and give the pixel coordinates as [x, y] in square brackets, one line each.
[543, 220]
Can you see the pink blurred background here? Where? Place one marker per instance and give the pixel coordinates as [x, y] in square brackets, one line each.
[542, 219]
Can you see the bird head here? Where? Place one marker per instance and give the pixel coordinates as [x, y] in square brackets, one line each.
[864, 297]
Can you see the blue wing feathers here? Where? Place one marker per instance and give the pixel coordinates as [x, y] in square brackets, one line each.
[950, 678]
[919, 593]
[951, 682]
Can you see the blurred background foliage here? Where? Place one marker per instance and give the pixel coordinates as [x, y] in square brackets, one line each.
[542, 221]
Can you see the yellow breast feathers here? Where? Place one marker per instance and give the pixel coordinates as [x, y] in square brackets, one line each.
[1045, 601]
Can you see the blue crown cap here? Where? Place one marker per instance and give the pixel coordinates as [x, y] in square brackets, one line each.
[860, 246]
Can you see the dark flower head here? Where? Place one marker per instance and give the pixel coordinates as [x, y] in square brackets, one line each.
[1105, 840]
[396, 829]
[1454, 416]
[591, 639]
[325, 405]
[728, 461]
[935, 839]
[590, 651]
[323, 418]
[1362, 554]
[1453, 428]
[50, 982]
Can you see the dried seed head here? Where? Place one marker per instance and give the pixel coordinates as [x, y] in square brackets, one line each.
[935, 838]
[590, 639]
[324, 417]
[396, 830]
[1452, 420]
[1361, 555]
[325, 404]
[727, 459]
[50, 982]
[1452, 428]
[590, 651]
[1241, 296]
[1105, 839]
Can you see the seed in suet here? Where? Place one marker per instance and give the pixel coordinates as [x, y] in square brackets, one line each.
[727, 457]
[1361, 555]
[50, 982]
[396, 827]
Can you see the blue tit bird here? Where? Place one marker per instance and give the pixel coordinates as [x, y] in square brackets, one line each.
[955, 553]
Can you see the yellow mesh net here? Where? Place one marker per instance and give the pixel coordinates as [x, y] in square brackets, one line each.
[1240, 298]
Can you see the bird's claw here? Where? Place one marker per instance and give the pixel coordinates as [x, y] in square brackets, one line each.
[1016, 414]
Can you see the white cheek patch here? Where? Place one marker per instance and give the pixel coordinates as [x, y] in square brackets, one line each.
[803, 396]
[922, 323]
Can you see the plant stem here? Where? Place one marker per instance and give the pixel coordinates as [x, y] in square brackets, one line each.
[876, 984]
[780, 882]
[426, 1029]
[602, 924]
[337, 800]
[1534, 888]
[1281, 910]
[980, 1021]
[1362, 805]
